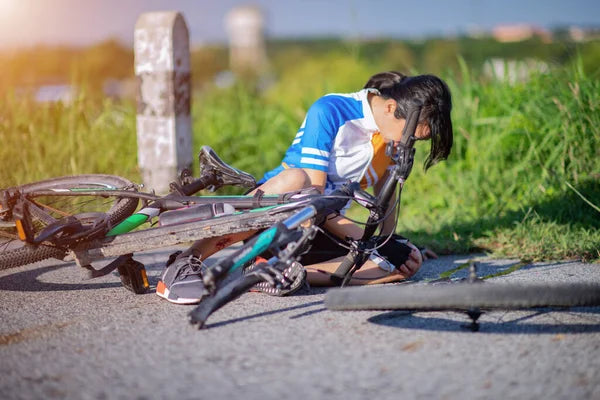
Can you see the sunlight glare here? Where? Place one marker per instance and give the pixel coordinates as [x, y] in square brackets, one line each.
[7, 7]
[11, 17]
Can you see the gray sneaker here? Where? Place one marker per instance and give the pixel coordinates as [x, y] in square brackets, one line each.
[181, 281]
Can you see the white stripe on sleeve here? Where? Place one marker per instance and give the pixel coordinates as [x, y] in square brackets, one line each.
[315, 152]
[314, 161]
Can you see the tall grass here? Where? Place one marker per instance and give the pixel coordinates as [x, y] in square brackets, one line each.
[39, 141]
[243, 129]
[523, 178]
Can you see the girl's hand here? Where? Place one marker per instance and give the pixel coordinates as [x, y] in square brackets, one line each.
[412, 265]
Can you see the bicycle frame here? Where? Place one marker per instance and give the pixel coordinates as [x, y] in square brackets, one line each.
[181, 233]
[105, 241]
[174, 201]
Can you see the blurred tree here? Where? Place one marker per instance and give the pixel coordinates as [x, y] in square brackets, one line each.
[34, 66]
[590, 55]
[104, 60]
[310, 78]
[206, 62]
[440, 56]
[92, 66]
[283, 58]
[398, 57]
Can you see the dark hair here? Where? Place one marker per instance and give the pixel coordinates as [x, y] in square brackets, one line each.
[384, 80]
[434, 96]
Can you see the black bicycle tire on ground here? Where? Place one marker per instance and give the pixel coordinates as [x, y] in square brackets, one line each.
[121, 209]
[464, 296]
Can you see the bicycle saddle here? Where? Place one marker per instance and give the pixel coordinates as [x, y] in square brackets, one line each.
[71, 229]
[210, 163]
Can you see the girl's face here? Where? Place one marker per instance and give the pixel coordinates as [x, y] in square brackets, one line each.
[389, 126]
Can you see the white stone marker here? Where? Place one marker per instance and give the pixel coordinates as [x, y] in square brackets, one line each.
[162, 69]
[245, 26]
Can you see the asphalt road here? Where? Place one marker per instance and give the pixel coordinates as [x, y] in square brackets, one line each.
[64, 337]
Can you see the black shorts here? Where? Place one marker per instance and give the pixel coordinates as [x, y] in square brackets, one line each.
[322, 249]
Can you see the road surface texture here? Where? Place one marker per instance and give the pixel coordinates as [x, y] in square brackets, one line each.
[64, 337]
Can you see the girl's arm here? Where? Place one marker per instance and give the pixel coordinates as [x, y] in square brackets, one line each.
[339, 226]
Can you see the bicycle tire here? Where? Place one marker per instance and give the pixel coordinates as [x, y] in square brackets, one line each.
[464, 296]
[118, 209]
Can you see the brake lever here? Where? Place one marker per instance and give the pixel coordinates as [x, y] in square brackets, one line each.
[402, 152]
[404, 158]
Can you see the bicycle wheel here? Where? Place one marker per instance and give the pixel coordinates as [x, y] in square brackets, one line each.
[464, 296]
[55, 204]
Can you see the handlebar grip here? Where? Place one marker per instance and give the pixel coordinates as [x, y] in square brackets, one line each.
[336, 200]
[227, 293]
[344, 268]
[408, 134]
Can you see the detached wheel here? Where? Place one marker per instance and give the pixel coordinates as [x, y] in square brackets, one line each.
[463, 296]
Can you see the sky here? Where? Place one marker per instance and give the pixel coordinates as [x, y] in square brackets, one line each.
[83, 22]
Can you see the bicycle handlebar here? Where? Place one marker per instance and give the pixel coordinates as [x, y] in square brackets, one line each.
[402, 153]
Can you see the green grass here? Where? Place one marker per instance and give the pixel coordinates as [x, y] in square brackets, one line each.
[43, 141]
[522, 180]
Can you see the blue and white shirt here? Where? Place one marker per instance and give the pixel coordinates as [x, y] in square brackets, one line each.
[338, 136]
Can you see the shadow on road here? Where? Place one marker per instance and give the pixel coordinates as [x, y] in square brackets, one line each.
[28, 281]
[408, 320]
[271, 312]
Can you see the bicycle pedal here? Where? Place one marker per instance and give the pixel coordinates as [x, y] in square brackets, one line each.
[133, 276]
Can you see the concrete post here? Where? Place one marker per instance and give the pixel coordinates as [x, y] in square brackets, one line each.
[247, 52]
[162, 68]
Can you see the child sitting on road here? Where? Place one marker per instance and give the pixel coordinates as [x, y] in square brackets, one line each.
[343, 137]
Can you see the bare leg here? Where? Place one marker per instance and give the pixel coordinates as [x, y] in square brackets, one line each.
[286, 181]
[205, 248]
[370, 273]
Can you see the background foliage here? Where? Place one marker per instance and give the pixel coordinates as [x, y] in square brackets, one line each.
[523, 178]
